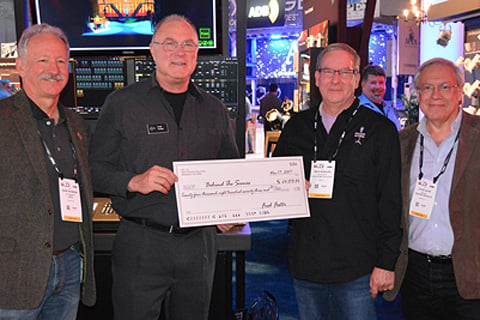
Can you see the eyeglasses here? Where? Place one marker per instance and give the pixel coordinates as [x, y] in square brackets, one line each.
[169, 45]
[344, 73]
[444, 88]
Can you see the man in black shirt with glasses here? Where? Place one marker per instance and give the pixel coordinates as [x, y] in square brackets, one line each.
[142, 129]
[344, 254]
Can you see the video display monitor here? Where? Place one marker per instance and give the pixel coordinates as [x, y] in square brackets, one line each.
[126, 26]
[91, 80]
[216, 75]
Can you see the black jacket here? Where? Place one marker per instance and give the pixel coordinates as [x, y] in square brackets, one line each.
[359, 228]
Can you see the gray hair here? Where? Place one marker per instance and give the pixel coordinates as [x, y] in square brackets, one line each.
[36, 30]
[173, 17]
[458, 72]
[342, 47]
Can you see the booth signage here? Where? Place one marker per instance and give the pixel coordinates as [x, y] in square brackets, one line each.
[293, 13]
[408, 46]
[356, 9]
[265, 13]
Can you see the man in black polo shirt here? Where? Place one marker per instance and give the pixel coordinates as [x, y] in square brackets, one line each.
[142, 129]
[45, 189]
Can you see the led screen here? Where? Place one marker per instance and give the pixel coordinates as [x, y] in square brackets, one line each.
[126, 25]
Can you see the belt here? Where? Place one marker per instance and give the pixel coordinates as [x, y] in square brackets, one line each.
[56, 253]
[157, 226]
[433, 259]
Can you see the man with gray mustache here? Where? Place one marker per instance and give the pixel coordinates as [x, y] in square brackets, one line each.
[51, 76]
[46, 246]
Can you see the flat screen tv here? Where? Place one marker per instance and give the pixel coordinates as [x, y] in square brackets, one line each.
[123, 27]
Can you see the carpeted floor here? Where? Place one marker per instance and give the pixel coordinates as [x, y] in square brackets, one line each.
[266, 268]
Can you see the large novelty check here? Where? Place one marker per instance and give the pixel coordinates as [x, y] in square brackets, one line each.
[235, 191]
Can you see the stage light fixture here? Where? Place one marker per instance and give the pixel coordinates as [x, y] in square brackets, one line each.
[444, 38]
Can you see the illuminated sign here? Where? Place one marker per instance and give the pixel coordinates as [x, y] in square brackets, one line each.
[205, 37]
[265, 13]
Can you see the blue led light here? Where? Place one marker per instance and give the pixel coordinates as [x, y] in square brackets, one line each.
[275, 58]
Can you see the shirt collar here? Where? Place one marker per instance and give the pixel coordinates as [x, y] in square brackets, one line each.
[192, 89]
[347, 110]
[422, 125]
[39, 114]
[364, 99]
[323, 114]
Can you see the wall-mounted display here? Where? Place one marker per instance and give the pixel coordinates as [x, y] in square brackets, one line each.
[126, 27]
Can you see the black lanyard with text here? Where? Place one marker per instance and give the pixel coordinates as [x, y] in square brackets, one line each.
[342, 136]
[445, 162]
[54, 163]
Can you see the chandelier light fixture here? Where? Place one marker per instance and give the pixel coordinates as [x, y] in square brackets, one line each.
[417, 12]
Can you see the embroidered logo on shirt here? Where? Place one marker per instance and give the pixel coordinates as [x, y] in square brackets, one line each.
[157, 128]
[359, 136]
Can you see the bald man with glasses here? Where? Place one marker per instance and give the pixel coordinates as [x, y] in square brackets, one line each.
[344, 254]
[142, 129]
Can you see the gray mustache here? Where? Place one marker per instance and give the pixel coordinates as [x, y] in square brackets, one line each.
[52, 76]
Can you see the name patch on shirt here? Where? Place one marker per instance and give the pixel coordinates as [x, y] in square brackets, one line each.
[157, 128]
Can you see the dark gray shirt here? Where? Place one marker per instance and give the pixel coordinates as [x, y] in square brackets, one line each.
[137, 130]
[58, 141]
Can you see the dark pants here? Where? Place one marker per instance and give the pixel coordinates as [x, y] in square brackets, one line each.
[153, 268]
[429, 292]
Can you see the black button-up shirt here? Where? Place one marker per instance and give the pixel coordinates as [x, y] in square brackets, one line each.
[137, 129]
[58, 141]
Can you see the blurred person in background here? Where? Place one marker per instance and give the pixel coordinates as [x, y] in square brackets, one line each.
[373, 91]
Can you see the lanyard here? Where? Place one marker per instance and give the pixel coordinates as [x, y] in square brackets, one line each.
[54, 163]
[342, 136]
[445, 162]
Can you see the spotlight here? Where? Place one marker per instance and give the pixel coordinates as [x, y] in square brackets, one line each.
[444, 38]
